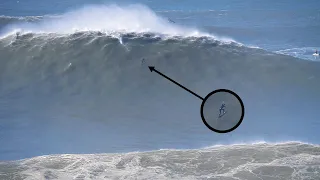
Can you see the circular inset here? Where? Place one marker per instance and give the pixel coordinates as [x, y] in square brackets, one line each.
[222, 111]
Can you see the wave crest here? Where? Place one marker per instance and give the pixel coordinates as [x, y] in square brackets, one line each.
[134, 18]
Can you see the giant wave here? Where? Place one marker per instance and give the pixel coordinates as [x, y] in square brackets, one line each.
[70, 75]
[98, 77]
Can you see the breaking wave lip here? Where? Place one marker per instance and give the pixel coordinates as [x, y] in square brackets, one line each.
[122, 37]
[110, 19]
[118, 21]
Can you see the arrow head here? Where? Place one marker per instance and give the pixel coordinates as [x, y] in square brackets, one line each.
[151, 68]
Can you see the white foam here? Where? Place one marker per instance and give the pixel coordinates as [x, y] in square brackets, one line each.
[256, 142]
[158, 165]
[110, 19]
[301, 52]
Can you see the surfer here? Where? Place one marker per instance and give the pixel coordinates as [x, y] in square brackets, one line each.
[171, 20]
[222, 109]
[142, 61]
[316, 54]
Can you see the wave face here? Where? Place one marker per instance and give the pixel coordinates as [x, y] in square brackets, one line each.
[70, 83]
[242, 162]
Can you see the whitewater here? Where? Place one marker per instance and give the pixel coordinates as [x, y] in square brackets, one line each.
[129, 19]
[77, 103]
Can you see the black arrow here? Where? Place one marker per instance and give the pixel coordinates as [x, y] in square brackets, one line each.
[153, 69]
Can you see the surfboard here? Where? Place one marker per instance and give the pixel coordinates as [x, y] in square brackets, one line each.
[315, 54]
[223, 114]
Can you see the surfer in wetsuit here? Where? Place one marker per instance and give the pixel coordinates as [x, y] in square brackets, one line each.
[142, 61]
[171, 20]
[316, 52]
[222, 109]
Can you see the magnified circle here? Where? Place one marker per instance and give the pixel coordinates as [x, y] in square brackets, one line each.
[222, 111]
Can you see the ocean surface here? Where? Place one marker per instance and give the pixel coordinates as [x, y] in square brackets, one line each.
[76, 101]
